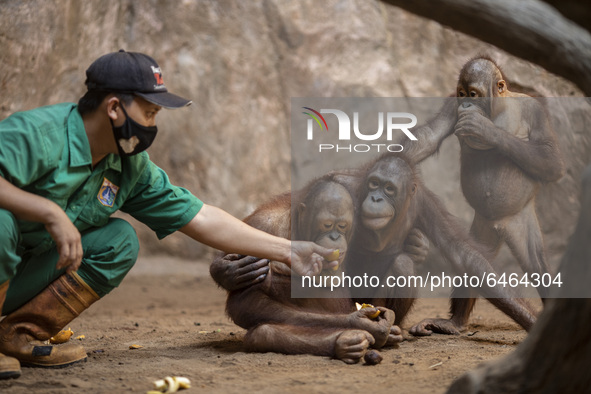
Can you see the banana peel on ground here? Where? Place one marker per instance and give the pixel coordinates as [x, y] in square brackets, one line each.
[170, 384]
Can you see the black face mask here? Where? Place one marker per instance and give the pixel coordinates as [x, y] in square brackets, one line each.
[131, 137]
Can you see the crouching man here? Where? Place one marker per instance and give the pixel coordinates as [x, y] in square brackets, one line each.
[64, 170]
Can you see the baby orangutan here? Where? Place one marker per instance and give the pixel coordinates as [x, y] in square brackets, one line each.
[323, 212]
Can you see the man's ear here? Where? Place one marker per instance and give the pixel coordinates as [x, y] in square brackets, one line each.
[113, 104]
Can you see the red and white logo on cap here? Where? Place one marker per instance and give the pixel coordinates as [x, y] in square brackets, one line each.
[158, 76]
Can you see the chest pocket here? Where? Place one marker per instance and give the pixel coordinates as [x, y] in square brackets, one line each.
[94, 214]
[101, 205]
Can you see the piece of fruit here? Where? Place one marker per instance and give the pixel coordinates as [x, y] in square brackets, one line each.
[172, 384]
[372, 357]
[362, 306]
[334, 255]
[62, 337]
[135, 346]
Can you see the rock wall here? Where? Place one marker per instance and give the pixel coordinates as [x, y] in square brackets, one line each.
[241, 62]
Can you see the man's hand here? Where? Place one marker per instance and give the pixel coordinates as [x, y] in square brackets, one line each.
[235, 271]
[34, 208]
[67, 238]
[308, 258]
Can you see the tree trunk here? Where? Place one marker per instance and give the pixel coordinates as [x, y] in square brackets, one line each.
[556, 355]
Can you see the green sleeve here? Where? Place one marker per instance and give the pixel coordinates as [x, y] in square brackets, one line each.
[163, 207]
[23, 151]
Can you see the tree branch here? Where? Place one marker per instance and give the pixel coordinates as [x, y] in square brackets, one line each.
[529, 29]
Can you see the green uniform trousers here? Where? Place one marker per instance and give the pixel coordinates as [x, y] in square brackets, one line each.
[109, 253]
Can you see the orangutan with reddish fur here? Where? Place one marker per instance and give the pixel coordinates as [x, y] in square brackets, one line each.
[508, 149]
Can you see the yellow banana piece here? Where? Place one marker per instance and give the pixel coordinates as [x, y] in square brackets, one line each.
[61, 337]
[172, 385]
[334, 255]
[361, 306]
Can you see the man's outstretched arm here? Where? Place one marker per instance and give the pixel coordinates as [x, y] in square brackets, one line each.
[218, 229]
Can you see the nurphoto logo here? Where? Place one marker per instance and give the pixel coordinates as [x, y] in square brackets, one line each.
[392, 122]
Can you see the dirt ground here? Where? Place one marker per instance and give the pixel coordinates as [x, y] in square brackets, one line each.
[175, 311]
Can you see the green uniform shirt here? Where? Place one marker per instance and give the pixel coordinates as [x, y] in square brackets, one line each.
[45, 151]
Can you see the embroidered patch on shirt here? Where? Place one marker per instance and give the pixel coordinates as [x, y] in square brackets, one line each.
[107, 193]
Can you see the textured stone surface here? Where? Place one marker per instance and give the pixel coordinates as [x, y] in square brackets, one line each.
[241, 62]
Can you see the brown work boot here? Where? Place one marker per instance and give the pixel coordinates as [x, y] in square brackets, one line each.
[23, 331]
[9, 366]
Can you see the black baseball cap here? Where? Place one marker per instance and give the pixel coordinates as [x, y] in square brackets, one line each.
[133, 73]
